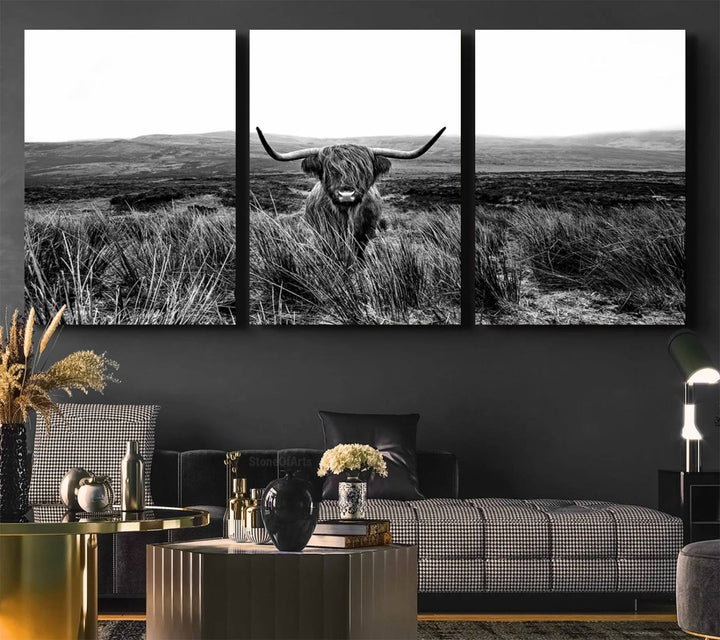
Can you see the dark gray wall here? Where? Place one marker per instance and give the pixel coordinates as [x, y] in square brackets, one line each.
[532, 411]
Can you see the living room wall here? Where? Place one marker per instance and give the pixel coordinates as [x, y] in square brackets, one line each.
[567, 412]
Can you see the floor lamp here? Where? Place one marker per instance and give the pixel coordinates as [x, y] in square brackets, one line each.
[697, 368]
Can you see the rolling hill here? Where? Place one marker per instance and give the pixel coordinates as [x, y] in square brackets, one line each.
[210, 155]
[196, 155]
[620, 151]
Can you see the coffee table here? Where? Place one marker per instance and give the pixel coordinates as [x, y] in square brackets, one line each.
[48, 567]
[217, 588]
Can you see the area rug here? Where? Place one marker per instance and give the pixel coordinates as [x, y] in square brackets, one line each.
[442, 630]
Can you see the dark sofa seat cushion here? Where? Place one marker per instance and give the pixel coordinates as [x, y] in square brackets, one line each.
[129, 561]
[213, 530]
[128, 575]
[395, 436]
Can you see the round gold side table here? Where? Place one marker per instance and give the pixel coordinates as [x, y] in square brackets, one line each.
[48, 566]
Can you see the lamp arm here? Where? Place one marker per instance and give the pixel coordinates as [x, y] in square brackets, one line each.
[690, 431]
[689, 393]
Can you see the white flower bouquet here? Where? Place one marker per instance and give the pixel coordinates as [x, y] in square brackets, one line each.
[352, 459]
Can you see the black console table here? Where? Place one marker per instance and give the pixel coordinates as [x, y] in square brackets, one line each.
[694, 497]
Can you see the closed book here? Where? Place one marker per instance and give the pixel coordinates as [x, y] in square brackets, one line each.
[352, 527]
[350, 542]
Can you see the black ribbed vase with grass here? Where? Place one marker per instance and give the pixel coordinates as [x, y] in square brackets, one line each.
[14, 471]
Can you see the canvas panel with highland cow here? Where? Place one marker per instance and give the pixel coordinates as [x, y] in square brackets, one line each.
[355, 177]
[130, 176]
[580, 183]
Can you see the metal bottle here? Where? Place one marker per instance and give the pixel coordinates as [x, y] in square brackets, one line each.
[133, 479]
[253, 517]
[254, 528]
[237, 506]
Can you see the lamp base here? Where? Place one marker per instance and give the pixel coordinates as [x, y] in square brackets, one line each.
[692, 455]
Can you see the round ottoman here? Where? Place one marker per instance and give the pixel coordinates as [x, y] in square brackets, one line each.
[698, 589]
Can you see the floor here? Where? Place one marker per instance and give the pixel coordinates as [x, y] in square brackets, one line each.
[497, 617]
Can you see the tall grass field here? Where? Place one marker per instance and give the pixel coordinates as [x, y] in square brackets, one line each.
[580, 265]
[581, 230]
[132, 231]
[171, 265]
[410, 274]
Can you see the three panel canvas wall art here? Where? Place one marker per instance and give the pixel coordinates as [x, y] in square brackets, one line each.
[354, 213]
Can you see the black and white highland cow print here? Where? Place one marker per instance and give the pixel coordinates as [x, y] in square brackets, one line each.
[355, 215]
[580, 177]
[345, 206]
[129, 177]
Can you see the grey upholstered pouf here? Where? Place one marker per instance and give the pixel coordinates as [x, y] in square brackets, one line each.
[698, 588]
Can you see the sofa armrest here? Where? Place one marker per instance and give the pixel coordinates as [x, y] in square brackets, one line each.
[439, 474]
[165, 478]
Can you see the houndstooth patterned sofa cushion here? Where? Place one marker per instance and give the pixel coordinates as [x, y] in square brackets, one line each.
[503, 545]
[91, 436]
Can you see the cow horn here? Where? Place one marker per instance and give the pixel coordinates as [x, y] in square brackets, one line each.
[290, 155]
[409, 155]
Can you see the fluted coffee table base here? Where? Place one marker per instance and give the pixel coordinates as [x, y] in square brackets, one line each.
[220, 589]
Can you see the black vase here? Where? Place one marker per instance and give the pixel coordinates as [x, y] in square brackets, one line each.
[289, 512]
[14, 471]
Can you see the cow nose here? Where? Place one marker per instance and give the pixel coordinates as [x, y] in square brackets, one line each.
[346, 195]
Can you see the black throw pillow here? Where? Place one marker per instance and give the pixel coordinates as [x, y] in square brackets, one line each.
[394, 436]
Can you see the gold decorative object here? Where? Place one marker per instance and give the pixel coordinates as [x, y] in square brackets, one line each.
[254, 528]
[231, 474]
[253, 516]
[237, 506]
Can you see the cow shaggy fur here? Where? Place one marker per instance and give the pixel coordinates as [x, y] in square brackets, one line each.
[345, 167]
[344, 207]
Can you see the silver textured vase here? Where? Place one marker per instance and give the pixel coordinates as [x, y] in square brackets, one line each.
[352, 494]
[95, 494]
[70, 485]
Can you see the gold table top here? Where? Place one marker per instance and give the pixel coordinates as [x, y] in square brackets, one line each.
[55, 519]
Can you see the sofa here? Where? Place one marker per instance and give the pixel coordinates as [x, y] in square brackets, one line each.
[468, 548]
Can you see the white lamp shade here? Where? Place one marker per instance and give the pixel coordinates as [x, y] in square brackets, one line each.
[706, 375]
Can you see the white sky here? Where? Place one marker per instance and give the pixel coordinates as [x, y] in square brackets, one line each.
[120, 84]
[355, 83]
[556, 83]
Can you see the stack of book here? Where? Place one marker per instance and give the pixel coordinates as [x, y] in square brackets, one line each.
[351, 534]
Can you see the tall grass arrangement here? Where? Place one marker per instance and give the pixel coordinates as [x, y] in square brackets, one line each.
[408, 276]
[26, 384]
[168, 266]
